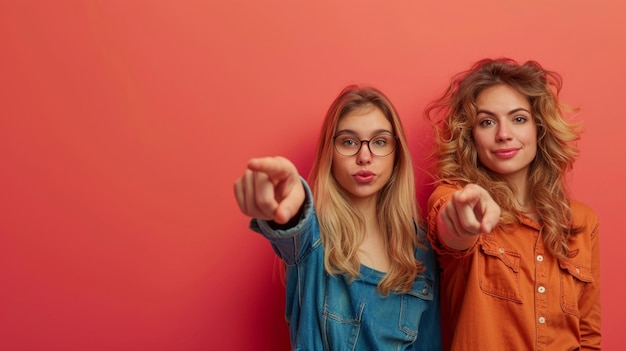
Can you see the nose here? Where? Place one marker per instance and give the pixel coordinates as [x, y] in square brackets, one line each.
[504, 132]
[364, 156]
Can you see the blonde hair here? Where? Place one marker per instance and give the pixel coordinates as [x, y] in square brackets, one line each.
[457, 160]
[341, 225]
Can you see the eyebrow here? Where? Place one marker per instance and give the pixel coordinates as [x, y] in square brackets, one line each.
[375, 132]
[514, 111]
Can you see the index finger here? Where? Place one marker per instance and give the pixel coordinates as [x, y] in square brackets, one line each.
[276, 168]
[490, 212]
[485, 209]
[465, 214]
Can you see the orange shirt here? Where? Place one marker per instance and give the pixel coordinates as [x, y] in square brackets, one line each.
[508, 292]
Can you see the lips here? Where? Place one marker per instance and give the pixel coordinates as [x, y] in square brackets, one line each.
[364, 176]
[506, 153]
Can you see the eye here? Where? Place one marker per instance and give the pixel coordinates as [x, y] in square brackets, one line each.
[486, 122]
[380, 141]
[520, 119]
[348, 141]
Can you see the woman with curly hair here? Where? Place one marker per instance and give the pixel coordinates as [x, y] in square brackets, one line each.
[519, 256]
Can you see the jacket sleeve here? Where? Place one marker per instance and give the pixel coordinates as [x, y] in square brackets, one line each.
[440, 196]
[589, 302]
[294, 243]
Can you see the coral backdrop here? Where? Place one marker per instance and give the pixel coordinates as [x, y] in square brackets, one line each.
[124, 123]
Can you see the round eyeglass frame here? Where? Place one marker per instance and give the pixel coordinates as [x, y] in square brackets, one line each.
[395, 145]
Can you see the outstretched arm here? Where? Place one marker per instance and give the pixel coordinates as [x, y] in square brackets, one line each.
[469, 212]
[270, 189]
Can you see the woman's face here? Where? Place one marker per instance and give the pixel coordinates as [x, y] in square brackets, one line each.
[505, 132]
[364, 174]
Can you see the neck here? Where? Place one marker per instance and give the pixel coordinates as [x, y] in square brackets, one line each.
[520, 184]
[367, 206]
[524, 202]
[373, 250]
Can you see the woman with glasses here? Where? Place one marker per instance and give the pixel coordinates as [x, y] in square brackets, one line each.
[520, 257]
[359, 271]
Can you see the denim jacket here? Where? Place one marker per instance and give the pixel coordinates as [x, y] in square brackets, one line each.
[327, 312]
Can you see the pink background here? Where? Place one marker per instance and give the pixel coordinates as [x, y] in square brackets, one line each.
[124, 123]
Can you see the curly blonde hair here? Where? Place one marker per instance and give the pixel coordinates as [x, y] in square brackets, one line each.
[453, 116]
[341, 225]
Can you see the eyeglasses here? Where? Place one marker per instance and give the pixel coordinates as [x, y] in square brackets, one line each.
[379, 145]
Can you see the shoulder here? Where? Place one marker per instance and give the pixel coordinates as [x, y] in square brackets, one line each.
[584, 216]
[582, 212]
[424, 251]
[579, 206]
[422, 238]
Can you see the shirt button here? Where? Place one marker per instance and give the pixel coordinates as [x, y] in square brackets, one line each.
[578, 270]
[540, 258]
[501, 250]
[541, 289]
[425, 290]
[542, 320]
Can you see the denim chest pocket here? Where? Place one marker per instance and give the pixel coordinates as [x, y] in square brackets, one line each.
[573, 278]
[414, 304]
[499, 271]
[341, 316]
[394, 319]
